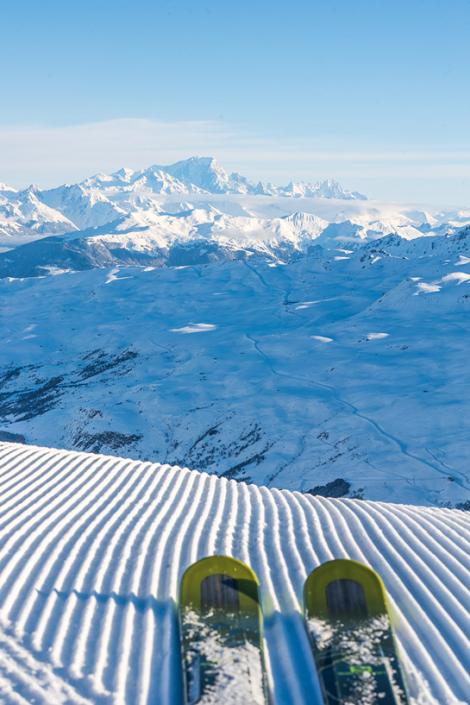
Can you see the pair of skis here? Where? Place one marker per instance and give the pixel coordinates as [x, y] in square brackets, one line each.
[346, 617]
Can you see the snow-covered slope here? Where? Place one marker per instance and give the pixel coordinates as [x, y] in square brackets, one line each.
[343, 372]
[153, 238]
[93, 547]
[25, 217]
[86, 208]
[153, 235]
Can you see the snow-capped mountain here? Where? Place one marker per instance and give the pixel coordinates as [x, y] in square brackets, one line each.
[24, 217]
[195, 235]
[321, 189]
[5, 189]
[85, 207]
[101, 199]
[162, 202]
[209, 176]
[205, 175]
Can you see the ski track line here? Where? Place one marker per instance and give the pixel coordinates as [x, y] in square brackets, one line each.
[113, 582]
[274, 534]
[307, 555]
[79, 537]
[458, 524]
[440, 595]
[319, 545]
[228, 547]
[168, 587]
[297, 572]
[39, 535]
[218, 504]
[165, 520]
[446, 568]
[49, 473]
[56, 538]
[242, 534]
[94, 542]
[262, 566]
[67, 582]
[110, 577]
[447, 530]
[92, 549]
[279, 660]
[9, 456]
[66, 606]
[459, 518]
[287, 648]
[104, 552]
[13, 487]
[196, 547]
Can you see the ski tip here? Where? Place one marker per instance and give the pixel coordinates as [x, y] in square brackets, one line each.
[342, 571]
[232, 568]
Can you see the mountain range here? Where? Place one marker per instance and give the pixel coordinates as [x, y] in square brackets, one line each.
[103, 198]
[192, 212]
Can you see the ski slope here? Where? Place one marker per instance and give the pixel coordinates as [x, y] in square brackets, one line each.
[92, 549]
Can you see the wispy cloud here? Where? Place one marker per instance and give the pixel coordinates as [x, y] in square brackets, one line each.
[50, 155]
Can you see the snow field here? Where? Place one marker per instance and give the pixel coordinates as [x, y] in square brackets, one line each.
[92, 549]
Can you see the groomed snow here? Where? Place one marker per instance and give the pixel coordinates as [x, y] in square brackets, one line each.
[93, 547]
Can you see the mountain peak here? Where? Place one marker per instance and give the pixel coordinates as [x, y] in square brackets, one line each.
[203, 172]
[5, 188]
[328, 188]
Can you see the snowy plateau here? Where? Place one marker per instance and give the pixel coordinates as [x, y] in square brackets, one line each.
[299, 337]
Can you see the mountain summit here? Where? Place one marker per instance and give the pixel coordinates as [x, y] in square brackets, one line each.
[205, 175]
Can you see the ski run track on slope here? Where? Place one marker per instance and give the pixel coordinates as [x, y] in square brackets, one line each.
[92, 549]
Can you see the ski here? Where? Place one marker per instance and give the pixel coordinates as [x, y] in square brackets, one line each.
[349, 627]
[221, 634]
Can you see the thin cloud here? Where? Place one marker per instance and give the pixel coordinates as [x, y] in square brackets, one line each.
[49, 155]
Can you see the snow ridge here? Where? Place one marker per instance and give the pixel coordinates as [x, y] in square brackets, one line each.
[93, 547]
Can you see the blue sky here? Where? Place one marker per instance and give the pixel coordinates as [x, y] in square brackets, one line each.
[373, 92]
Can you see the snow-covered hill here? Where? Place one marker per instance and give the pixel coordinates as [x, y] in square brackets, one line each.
[85, 207]
[198, 233]
[93, 547]
[340, 371]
